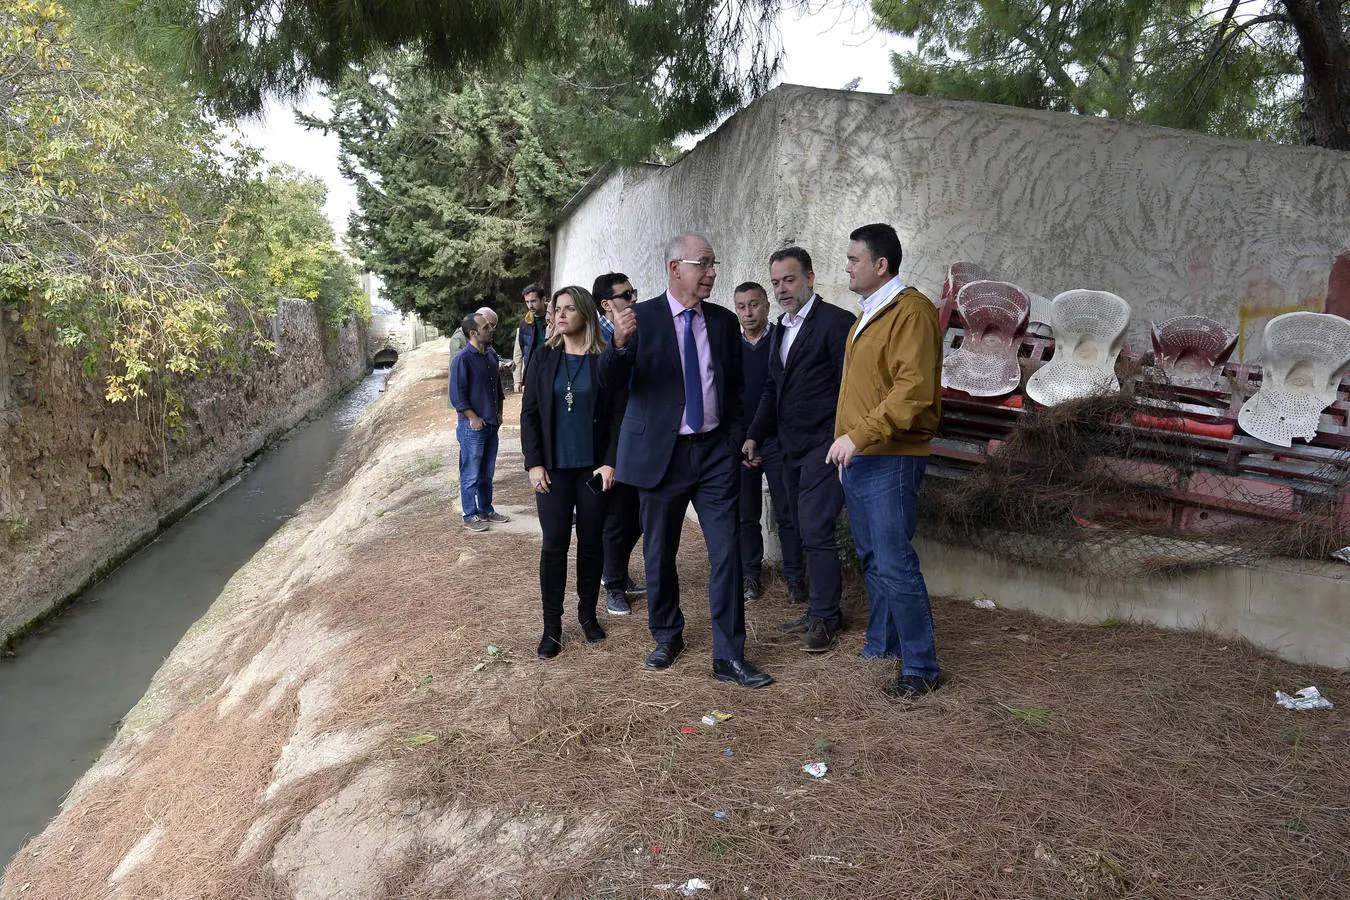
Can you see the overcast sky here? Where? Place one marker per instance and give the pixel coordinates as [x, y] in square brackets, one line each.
[823, 49]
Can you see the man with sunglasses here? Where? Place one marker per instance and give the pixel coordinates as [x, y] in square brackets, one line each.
[614, 293]
[680, 443]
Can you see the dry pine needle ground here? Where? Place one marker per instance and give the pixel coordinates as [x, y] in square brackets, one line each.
[1059, 760]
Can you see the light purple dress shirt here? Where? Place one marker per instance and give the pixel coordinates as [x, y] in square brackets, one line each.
[710, 412]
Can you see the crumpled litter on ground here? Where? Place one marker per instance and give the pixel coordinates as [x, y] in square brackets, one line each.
[1342, 554]
[816, 769]
[1308, 698]
[985, 603]
[689, 888]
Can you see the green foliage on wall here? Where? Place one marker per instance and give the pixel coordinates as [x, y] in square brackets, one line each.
[129, 231]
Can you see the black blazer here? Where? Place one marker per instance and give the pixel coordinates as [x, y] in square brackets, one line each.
[650, 365]
[536, 410]
[800, 398]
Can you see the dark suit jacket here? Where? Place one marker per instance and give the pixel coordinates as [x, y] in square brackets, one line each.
[800, 398]
[650, 365]
[536, 410]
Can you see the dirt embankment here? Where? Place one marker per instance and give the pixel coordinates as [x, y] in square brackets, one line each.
[84, 482]
[361, 715]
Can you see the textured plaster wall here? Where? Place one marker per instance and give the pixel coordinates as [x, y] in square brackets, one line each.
[1172, 221]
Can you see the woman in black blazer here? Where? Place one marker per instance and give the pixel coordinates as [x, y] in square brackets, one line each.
[569, 432]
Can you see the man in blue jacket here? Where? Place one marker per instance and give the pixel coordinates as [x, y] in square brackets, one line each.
[679, 443]
[476, 393]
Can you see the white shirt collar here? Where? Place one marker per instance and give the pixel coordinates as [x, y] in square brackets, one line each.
[790, 321]
[877, 302]
[883, 295]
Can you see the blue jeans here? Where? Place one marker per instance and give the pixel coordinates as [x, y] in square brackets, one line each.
[882, 493]
[477, 465]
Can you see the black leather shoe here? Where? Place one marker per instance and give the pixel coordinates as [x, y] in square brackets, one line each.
[664, 654]
[908, 687]
[751, 589]
[740, 672]
[796, 593]
[594, 633]
[634, 588]
[819, 636]
[796, 626]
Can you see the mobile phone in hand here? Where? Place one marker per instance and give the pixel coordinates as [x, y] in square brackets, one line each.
[596, 483]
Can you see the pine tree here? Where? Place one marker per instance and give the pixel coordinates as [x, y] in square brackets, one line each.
[1272, 69]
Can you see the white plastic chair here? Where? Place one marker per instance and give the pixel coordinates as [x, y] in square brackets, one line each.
[993, 319]
[1304, 355]
[1089, 331]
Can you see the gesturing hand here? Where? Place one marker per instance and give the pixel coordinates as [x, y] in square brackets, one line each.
[625, 326]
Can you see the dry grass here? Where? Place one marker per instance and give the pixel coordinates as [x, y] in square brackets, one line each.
[1060, 760]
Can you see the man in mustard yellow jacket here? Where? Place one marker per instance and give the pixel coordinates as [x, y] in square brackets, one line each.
[890, 402]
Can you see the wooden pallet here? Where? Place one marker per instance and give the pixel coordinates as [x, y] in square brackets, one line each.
[1215, 474]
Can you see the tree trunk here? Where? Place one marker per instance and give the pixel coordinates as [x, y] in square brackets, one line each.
[1324, 47]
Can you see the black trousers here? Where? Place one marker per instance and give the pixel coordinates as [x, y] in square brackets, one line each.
[705, 471]
[623, 527]
[569, 494]
[752, 511]
[815, 498]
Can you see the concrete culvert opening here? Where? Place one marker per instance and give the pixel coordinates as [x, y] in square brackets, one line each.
[384, 359]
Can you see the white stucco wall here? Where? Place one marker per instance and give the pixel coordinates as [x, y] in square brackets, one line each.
[1173, 221]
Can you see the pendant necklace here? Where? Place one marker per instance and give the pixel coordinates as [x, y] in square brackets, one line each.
[567, 366]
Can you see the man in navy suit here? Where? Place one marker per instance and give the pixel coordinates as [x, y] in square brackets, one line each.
[680, 443]
[806, 363]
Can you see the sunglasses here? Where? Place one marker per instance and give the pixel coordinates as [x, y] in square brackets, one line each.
[626, 296]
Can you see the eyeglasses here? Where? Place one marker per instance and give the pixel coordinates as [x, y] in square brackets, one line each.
[625, 296]
[704, 264]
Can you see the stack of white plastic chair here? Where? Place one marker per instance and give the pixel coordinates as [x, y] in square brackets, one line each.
[1038, 320]
[993, 319]
[1190, 349]
[1304, 355]
[1089, 333]
[960, 274]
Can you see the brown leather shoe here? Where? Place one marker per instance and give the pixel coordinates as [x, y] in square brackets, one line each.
[819, 636]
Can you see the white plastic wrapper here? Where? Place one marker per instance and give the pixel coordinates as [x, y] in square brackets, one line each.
[816, 769]
[985, 603]
[1308, 698]
[689, 888]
